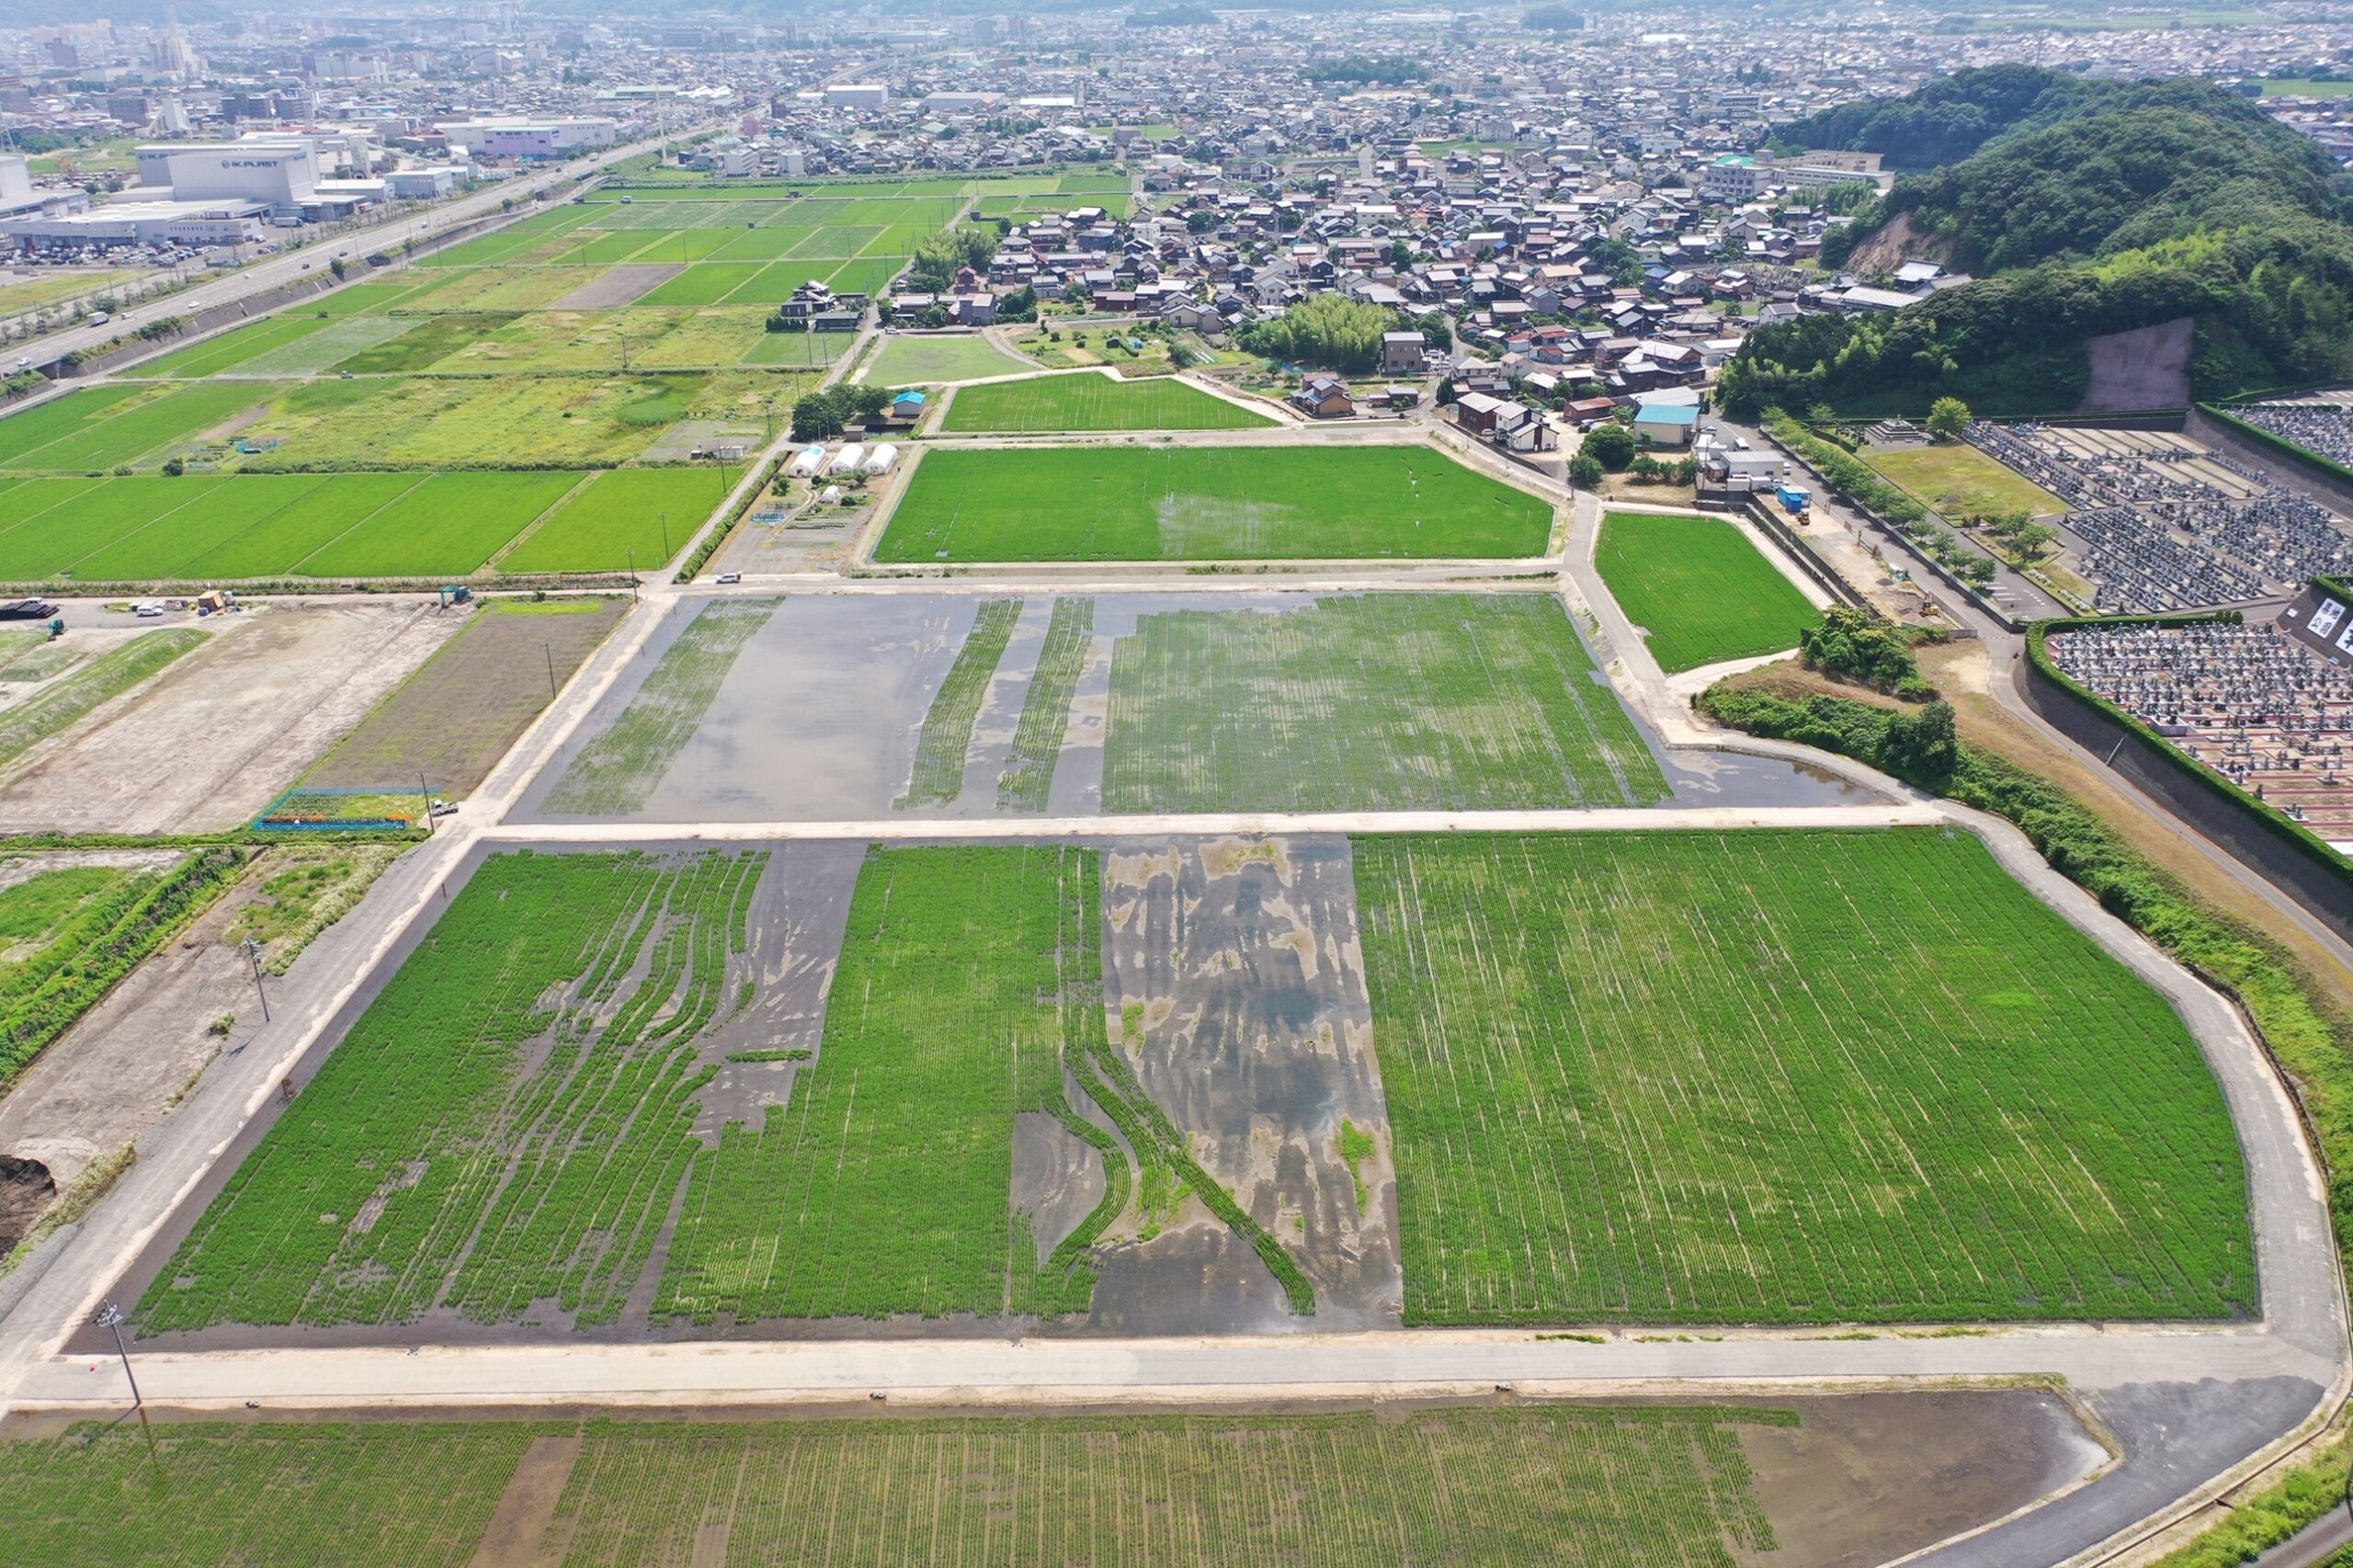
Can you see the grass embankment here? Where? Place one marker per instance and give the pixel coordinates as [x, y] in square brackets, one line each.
[2002, 1123]
[1700, 588]
[74, 933]
[1132, 503]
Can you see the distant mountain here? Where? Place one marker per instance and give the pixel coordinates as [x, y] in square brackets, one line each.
[2100, 208]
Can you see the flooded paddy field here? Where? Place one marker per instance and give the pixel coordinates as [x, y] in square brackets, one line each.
[1138, 1085]
[862, 707]
[820, 1089]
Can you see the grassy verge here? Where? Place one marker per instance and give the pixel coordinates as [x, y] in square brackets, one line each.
[304, 892]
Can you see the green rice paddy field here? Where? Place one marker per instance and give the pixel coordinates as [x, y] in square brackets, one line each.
[147, 527]
[1475, 701]
[882, 1187]
[1667, 1078]
[1700, 588]
[1781, 1077]
[1050, 404]
[1207, 503]
[1650, 1486]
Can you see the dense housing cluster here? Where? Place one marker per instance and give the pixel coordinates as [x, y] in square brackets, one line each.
[2166, 524]
[2251, 702]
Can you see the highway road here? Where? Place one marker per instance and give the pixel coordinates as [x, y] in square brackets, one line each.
[275, 270]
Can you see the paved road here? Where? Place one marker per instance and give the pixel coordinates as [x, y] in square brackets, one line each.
[275, 270]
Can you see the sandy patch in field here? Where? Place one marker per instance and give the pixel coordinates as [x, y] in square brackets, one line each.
[214, 738]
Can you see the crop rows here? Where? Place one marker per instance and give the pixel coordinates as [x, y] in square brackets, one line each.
[884, 1185]
[1781, 1076]
[1482, 701]
[626, 518]
[505, 1129]
[947, 734]
[618, 769]
[380, 1494]
[1637, 1487]
[1028, 776]
[465, 706]
[1700, 588]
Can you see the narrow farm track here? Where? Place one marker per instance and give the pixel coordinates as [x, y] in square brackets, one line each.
[2186, 1406]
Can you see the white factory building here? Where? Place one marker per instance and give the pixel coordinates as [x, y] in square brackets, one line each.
[514, 137]
[857, 95]
[280, 174]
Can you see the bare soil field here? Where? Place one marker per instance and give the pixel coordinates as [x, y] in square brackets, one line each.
[211, 741]
[1869, 1478]
[457, 715]
[619, 287]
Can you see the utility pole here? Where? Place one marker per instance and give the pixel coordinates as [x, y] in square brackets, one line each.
[548, 648]
[110, 1316]
[426, 795]
[633, 573]
[252, 955]
[666, 535]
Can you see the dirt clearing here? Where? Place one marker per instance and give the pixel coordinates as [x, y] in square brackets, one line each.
[1869, 1478]
[211, 742]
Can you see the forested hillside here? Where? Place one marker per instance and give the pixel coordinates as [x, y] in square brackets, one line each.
[1944, 121]
[2100, 207]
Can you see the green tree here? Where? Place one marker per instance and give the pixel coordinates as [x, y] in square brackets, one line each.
[1326, 330]
[1585, 472]
[1610, 445]
[1922, 745]
[1948, 418]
